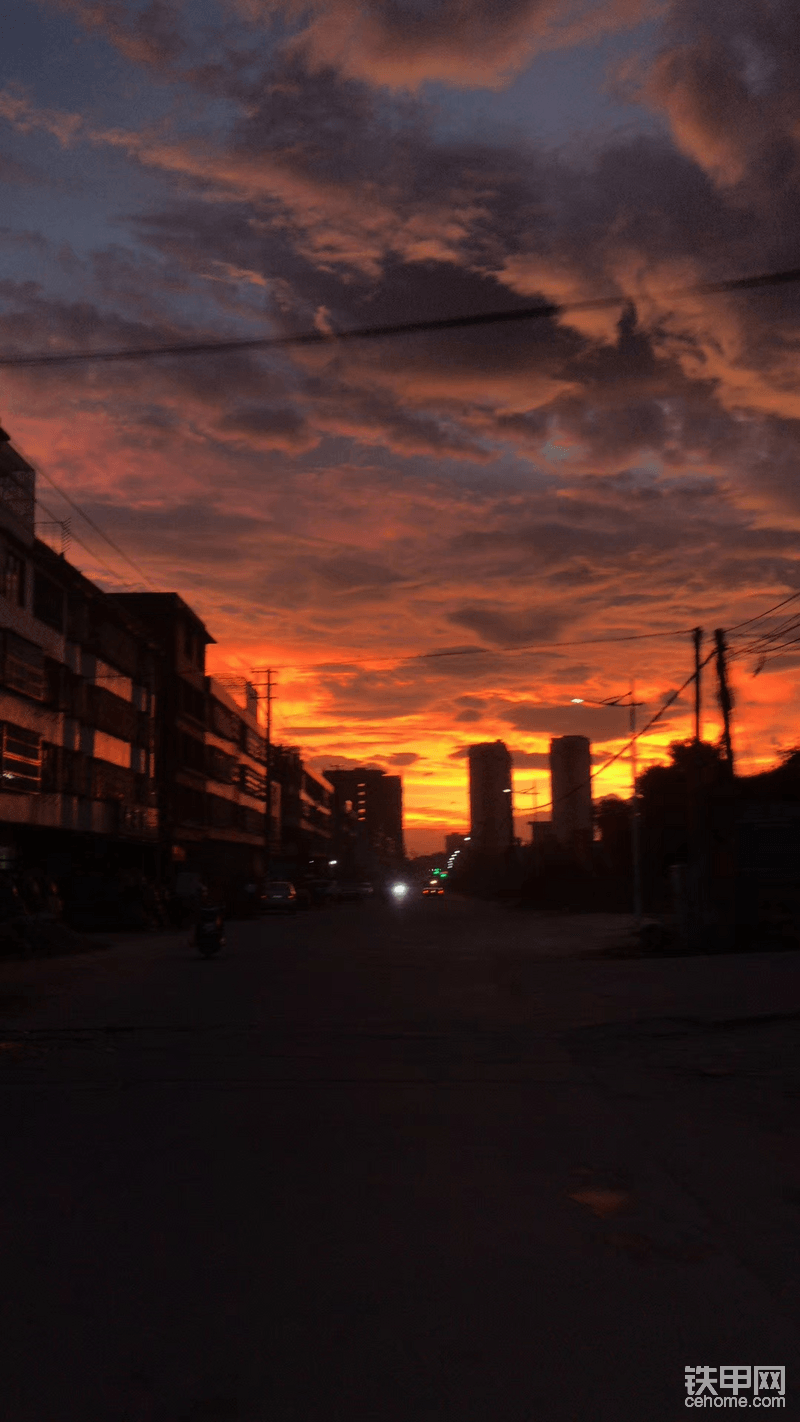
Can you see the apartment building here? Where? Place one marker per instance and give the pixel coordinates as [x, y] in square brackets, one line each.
[306, 805]
[77, 678]
[211, 753]
[490, 798]
[371, 802]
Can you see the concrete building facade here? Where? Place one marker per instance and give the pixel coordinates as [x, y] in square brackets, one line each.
[490, 798]
[306, 808]
[77, 707]
[210, 752]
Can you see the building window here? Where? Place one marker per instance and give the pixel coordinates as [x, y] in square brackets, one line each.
[21, 758]
[24, 668]
[14, 579]
[48, 602]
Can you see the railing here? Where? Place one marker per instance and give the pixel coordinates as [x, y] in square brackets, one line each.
[254, 745]
[252, 781]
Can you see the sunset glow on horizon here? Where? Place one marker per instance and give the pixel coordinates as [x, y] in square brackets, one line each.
[216, 170]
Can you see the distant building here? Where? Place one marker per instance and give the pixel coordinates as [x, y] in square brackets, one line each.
[236, 782]
[375, 799]
[452, 842]
[490, 798]
[571, 792]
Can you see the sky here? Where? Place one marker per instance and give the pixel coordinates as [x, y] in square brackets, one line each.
[510, 495]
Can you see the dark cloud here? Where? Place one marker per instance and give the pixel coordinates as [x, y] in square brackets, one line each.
[562, 478]
[530, 760]
[507, 629]
[274, 427]
[596, 722]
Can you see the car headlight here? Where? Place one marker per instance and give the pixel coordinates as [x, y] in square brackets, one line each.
[399, 890]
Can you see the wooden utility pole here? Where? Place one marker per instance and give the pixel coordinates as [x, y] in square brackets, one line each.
[692, 894]
[697, 636]
[724, 826]
[725, 697]
[635, 826]
[268, 836]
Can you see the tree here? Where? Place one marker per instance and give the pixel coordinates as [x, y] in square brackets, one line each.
[614, 820]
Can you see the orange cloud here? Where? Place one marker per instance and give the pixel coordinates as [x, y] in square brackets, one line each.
[333, 512]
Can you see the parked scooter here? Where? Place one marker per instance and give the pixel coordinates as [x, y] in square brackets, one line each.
[209, 933]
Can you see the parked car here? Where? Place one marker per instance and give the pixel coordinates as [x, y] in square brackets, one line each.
[279, 894]
[354, 892]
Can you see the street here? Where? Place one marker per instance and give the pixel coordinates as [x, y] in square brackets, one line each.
[400, 1161]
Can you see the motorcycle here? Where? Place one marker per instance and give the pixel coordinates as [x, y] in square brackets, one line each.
[209, 934]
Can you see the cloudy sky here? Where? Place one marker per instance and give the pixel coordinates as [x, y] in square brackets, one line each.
[190, 169]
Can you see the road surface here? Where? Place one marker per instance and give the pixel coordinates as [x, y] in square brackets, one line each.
[395, 1162]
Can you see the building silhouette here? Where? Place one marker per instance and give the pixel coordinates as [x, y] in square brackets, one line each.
[306, 807]
[210, 752]
[490, 798]
[76, 703]
[571, 792]
[373, 801]
[118, 750]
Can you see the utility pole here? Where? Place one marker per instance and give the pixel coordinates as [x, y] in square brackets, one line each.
[697, 637]
[692, 890]
[725, 697]
[635, 827]
[724, 826]
[268, 835]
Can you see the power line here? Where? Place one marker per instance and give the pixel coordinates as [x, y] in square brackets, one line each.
[482, 651]
[97, 528]
[531, 646]
[535, 646]
[84, 546]
[87, 517]
[405, 328]
[618, 754]
[750, 620]
[42, 505]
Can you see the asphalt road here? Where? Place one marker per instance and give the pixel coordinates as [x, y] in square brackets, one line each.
[394, 1163]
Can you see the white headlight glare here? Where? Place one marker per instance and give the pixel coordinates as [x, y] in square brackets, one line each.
[399, 890]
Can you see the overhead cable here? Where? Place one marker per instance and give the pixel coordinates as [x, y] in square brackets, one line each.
[399, 328]
[618, 754]
[84, 515]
